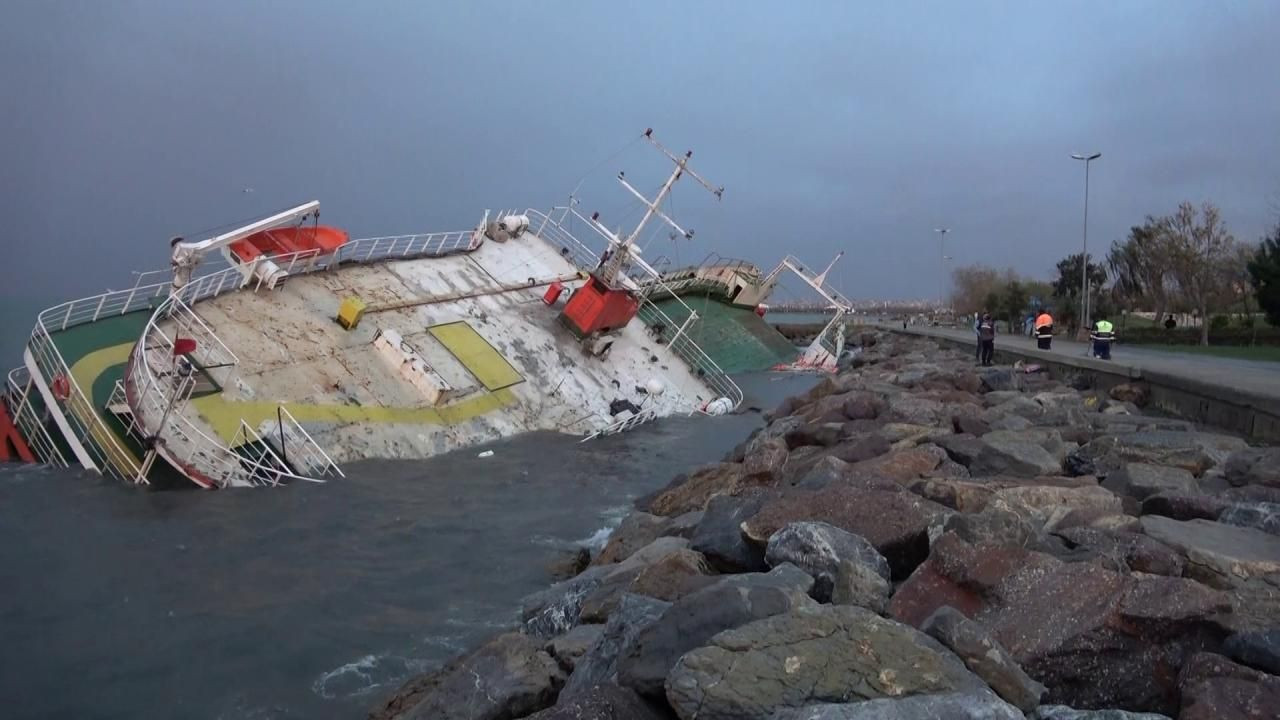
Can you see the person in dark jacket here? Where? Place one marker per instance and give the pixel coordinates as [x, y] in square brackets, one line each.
[987, 338]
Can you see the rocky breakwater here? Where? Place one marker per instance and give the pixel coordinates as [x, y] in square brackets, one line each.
[915, 538]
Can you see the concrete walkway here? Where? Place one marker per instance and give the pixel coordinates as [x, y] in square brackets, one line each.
[1258, 380]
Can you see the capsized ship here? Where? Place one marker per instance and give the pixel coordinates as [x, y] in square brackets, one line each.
[275, 351]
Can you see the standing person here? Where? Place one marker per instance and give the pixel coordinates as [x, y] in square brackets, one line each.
[1102, 335]
[1044, 330]
[986, 339]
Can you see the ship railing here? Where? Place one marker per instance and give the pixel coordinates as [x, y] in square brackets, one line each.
[624, 424]
[552, 230]
[158, 404]
[795, 264]
[298, 449]
[21, 404]
[121, 398]
[392, 247]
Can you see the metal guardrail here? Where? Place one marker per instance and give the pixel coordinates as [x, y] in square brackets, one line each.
[19, 401]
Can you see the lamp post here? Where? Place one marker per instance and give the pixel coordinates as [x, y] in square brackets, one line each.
[1084, 253]
[942, 266]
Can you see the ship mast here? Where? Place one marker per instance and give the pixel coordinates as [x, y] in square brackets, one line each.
[621, 247]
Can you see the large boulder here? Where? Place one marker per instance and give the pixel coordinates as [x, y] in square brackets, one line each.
[568, 648]
[1062, 712]
[1126, 551]
[602, 702]
[509, 676]
[1043, 503]
[1095, 643]
[673, 574]
[599, 664]
[634, 532]
[1181, 506]
[1254, 466]
[998, 379]
[719, 535]
[695, 618]
[1260, 516]
[1217, 554]
[1258, 649]
[902, 465]
[1195, 452]
[1214, 688]
[984, 656]
[942, 706]
[810, 655]
[896, 523]
[691, 492]
[1136, 392]
[845, 567]
[1140, 480]
[555, 610]
[993, 526]
[1006, 452]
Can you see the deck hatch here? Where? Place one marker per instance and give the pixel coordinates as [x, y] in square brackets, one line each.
[476, 355]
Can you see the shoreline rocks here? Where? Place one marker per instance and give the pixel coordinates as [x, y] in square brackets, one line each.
[913, 538]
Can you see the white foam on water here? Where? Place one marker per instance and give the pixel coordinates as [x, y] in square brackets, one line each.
[363, 675]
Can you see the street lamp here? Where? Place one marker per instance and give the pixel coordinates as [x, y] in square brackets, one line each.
[1084, 253]
[942, 266]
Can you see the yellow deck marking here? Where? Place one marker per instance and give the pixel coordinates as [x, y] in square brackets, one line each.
[225, 415]
[476, 354]
[85, 372]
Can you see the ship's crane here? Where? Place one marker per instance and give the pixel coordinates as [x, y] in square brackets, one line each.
[186, 254]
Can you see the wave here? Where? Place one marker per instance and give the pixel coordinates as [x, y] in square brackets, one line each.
[364, 675]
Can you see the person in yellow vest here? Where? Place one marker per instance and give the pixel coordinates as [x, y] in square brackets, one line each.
[1102, 335]
[1044, 329]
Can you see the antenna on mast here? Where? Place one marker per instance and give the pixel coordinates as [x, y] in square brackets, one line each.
[624, 245]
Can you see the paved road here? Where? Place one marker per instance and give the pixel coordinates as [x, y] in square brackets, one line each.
[1257, 378]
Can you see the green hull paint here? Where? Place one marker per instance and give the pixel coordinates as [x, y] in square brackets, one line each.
[734, 337]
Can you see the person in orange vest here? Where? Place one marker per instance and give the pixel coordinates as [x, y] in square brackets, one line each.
[1044, 329]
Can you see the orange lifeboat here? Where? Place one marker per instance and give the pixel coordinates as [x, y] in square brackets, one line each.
[286, 241]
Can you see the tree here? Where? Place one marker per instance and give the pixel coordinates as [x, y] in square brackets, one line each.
[1200, 250]
[1141, 265]
[971, 286]
[991, 303]
[1066, 288]
[1013, 303]
[1264, 275]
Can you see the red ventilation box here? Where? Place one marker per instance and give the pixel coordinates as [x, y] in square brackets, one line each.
[596, 307]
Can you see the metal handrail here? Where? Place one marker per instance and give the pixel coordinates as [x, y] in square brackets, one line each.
[23, 413]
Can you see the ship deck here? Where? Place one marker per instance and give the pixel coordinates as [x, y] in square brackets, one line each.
[511, 366]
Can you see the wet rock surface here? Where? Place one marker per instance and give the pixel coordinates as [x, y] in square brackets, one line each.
[912, 539]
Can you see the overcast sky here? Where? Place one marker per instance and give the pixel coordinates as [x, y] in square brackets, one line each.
[843, 125]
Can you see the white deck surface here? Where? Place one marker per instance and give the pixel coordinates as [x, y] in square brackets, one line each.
[356, 405]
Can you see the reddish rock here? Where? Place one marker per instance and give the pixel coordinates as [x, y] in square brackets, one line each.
[766, 459]
[1124, 551]
[862, 406]
[1136, 393]
[700, 486]
[902, 465]
[896, 523]
[1214, 688]
[1094, 637]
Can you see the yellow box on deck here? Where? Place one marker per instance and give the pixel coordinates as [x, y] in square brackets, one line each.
[350, 312]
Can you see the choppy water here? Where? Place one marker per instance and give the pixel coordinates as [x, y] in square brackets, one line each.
[311, 601]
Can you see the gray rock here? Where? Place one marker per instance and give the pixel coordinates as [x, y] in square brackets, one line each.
[1062, 712]
[636, 530]
[811, 655]
[600, 662]
[695, 618]
[1140, 480]
[985, 657]
[832, 557]
[943, 706]
[963, 449]
[553, 611]
[1013, 453]
[994, 526]
[998, 379]
[1046, 503]
[719, 535]
[568, 563]
[1195, 452]
[1259, 649]
[1254, 466]
[1218, 555]
[571, 646]
[602, 702]
[998, 420]
[510, 676]
[1181, 506]
[1260, 516]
